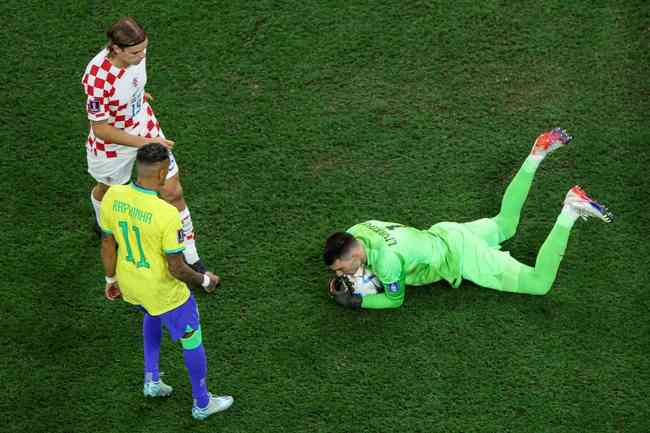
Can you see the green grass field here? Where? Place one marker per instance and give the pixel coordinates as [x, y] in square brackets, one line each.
[296, 119]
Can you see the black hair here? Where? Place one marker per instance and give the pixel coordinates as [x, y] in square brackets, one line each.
[152, 153]
[337, 245]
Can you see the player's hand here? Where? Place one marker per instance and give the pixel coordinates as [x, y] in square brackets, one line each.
[346, 299]
[215, 282]
[341, 290]
[333, 286]
[338, 285]
[148, 97]
[169, 144]
[112, 291]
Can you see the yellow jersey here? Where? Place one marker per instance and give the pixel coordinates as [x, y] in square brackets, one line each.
[146, 229]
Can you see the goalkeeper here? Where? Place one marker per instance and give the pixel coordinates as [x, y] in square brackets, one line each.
[401, 255]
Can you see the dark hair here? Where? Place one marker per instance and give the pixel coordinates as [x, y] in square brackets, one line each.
[126, 32]
[337, 245]
[152, 153]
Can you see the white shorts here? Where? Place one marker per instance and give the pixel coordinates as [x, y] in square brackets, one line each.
[117, 171]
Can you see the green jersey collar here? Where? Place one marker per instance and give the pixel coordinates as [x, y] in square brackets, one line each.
[142, 189]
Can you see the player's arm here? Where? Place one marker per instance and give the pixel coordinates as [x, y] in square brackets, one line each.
[391, 273]
[108, 250]
[109, 254]
[172, 247]
[393, 297]
[97, 110]
[109, 260]
[179, 269]
[344, 297]
[111, 134]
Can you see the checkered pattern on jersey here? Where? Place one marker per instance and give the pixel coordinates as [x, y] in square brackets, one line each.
[152, 129]
[99, 85]
[95, 145]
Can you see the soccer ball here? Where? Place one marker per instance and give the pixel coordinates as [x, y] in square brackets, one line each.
[366, 283]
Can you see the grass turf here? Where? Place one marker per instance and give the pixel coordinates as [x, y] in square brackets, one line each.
[293, 120]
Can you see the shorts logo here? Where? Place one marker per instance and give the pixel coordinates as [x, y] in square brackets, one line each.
[393, 287]
[180, 236]
[94, 106]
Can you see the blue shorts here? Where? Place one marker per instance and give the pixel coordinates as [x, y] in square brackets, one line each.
[181, 320]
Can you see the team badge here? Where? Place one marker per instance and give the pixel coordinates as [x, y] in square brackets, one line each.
[94, 105]
[135, 82]
[180, 236]
[393, 287]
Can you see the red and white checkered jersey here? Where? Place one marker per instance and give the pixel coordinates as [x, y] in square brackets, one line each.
[116, 95]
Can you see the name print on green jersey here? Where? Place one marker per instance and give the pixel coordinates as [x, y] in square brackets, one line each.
[390, 240]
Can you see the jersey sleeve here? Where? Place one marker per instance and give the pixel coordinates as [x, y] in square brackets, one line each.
[98, 86]
[390, 271]
[172, 240]
[106, 214]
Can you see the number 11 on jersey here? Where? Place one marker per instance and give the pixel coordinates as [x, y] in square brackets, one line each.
[142, 262]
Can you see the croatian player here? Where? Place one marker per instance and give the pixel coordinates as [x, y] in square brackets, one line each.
[122, 120]
[148, 270]
[401, 255]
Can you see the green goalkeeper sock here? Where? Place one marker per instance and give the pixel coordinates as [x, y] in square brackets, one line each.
[514, 198]
[538, 280]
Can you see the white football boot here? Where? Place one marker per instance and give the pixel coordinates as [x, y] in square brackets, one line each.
[156, 389]
[585, 206]
[215, 404]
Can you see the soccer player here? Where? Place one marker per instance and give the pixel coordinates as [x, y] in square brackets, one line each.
[122, 120]
[148, 270]
[401, 255]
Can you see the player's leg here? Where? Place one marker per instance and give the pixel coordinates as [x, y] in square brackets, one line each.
[96, 197]
[107, 172]
[205, 404]
[497, 270]
[183, 323]
[152, 336]
[538, 280]
[504, 225]
[517, 191]
[172, 193]
[196, 364]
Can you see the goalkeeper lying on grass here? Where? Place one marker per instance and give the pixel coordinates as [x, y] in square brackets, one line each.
[401, 255]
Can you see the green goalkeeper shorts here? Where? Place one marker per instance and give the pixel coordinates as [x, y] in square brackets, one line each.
[477, 250]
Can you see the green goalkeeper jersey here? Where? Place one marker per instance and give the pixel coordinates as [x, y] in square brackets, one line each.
[401, 255]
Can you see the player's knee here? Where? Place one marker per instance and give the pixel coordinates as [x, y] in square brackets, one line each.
[540, 286]
[532, 283]
[507, 227]
[542, 290]
[192, 339]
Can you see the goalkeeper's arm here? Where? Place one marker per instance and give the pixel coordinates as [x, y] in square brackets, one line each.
[393, 297]
[340, 289]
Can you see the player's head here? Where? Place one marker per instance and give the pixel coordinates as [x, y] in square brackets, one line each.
[127, 41]
[153, 163]
[343, 253]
